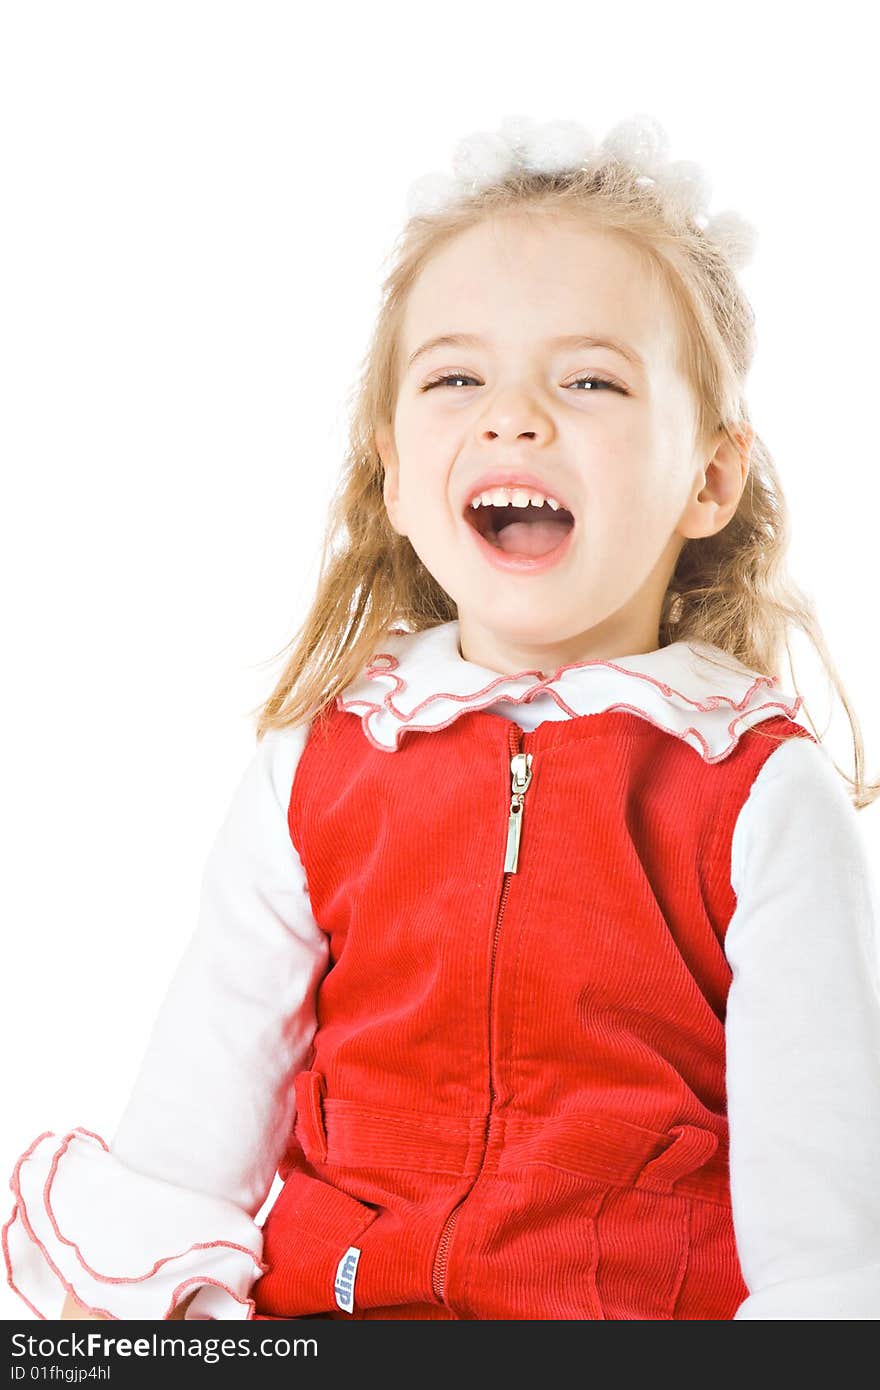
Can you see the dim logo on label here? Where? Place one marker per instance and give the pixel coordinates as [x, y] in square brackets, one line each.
[346, 1271]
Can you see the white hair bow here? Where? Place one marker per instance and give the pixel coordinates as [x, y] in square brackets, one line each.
[639, 141]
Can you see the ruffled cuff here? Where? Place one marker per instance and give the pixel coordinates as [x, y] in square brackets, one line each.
[124, 1244]
[848, 1295]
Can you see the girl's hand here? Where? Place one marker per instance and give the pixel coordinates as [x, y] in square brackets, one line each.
[73, 1309]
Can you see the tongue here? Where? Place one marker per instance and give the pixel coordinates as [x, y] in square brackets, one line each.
[536, 537]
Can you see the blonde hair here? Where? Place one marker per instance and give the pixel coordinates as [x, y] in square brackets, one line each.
[730, 590]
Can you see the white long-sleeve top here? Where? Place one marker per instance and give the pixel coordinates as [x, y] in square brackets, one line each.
[132, 1228]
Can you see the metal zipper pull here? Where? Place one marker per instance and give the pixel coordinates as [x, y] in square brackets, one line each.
[520, 777]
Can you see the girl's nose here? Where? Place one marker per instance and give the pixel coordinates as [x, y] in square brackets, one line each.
[516, 414]
[523, 434]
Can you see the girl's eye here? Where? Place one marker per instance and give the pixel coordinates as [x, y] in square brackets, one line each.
[599, 381]
[591, 382]
[443, 380]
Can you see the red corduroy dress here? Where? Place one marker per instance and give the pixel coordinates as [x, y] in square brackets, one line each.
[514, 1106]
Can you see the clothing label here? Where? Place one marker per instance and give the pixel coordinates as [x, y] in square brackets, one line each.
[346, 1271]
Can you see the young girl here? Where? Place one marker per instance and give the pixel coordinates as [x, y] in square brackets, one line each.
[536, 952]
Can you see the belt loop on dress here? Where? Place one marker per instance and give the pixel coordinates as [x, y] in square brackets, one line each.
[309, 1089]
[691, 1148]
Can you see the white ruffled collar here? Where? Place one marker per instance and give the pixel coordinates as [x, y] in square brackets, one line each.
[420, 681]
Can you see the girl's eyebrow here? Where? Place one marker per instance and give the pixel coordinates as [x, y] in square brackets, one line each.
[569, 340]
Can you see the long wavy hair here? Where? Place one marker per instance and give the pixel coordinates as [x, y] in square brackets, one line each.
[731, 590]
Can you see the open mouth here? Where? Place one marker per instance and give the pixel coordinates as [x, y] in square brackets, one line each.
[527, 530]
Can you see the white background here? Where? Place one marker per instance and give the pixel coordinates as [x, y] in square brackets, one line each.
[197, 200]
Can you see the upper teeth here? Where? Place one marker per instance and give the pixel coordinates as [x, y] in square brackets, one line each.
[513, 497]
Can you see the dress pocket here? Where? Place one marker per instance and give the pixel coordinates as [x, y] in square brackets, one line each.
[312, 1234]
[311, 1244]
[644, 1252]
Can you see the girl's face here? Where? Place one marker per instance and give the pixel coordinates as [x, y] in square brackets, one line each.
[620, 455]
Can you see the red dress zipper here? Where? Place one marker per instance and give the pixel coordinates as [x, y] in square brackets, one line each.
[520, 777]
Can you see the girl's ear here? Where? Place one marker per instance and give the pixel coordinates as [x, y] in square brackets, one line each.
[718, 486]
[391, 469]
